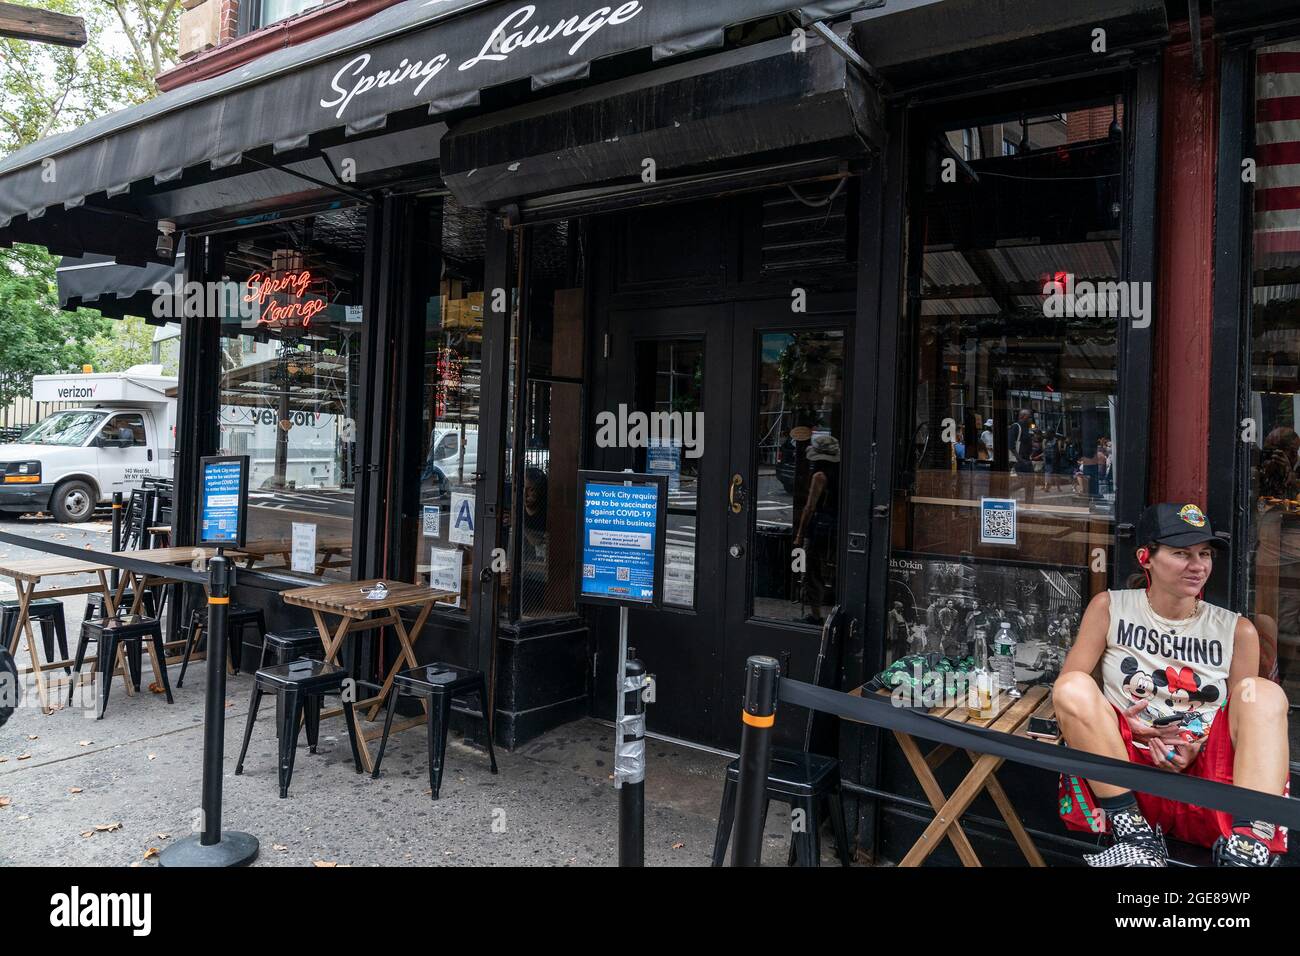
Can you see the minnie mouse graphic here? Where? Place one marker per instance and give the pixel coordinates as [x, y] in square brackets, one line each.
[1180, 689]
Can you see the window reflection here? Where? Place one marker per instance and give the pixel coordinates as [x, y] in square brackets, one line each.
[453, 302]
[290, 387]
[1010, 391]
[670, 378]
[798, 436]
[1274, 412]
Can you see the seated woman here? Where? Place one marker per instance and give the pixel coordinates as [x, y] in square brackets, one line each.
[1170, 666]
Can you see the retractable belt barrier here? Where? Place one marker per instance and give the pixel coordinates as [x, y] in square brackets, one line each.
[881, 712]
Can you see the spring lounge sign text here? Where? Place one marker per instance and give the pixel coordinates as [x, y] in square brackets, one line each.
[520, 29]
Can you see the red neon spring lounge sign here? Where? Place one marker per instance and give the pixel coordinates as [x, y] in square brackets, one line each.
[284, 299]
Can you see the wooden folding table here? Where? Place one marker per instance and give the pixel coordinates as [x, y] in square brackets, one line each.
[1010, 716]
[347, 601]
[27, 576]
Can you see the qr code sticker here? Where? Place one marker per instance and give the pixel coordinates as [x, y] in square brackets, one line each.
[997, 523]
[624, 574]
[589, 571]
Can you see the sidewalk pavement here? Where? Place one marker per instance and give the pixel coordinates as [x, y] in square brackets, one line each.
[109, 792]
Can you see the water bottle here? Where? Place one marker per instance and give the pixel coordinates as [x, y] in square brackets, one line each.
[1004, 660]
[979, 691]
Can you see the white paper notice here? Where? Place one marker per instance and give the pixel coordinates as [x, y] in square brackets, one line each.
[430, 523]
[303, 554]
[445, 567]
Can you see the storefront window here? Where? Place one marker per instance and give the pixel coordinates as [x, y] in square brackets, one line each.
[545, 440]
[454, 303]
[268, 12]
[1004, 500]
[1273, 418]
[290, 387]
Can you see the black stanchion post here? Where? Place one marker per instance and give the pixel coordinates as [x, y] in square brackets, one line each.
[212, 847]
[114, 575]
[631, 805]
[758, 712]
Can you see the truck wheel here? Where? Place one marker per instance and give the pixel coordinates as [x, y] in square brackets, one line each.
[73, 501]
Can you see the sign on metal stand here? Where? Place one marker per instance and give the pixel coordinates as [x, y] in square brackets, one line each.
[223, 521]
[621, 529]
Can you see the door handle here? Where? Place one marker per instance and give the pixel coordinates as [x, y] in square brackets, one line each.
[737, 485]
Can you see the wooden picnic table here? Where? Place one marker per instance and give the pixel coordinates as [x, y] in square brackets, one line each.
[1010, 716]
[347, 602]
[28, 575]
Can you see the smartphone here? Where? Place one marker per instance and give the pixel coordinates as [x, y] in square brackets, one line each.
[1044, 728]
[1166, 721]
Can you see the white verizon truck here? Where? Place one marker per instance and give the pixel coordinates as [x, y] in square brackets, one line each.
[123, 430]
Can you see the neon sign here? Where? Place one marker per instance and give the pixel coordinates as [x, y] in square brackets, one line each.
[284, 299]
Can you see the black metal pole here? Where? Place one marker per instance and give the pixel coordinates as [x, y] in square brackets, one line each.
[114, 575]
[759, 714]
[214, 706]
[631, 799]
[212, 847]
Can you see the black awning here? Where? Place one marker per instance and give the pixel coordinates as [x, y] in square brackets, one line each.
[731, 107]
[1248, 16]
[433, 54]
[921, 43]
[97, 282]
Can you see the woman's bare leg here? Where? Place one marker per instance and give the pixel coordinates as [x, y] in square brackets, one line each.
[1087, 722]
[1257, 714]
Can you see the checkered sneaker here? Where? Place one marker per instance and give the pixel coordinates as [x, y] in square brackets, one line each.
[1145, 848]
[1242, 850]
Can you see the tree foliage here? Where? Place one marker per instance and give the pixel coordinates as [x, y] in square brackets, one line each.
[39, 339]
[45, 90]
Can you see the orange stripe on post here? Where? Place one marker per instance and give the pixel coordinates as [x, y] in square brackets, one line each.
[755, 721]
[218, 600]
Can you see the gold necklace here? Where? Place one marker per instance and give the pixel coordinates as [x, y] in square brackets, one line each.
[1172, 625]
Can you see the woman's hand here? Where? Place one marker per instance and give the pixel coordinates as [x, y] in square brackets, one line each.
[1178, 757]
[1147, 733]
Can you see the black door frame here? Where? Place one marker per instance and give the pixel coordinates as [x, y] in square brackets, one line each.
[1228, 484]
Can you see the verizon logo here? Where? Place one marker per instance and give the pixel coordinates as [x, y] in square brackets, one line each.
[77, 909]
[76, 391]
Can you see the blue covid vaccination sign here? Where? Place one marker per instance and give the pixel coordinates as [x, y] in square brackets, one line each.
[621, 534]
[223, 502]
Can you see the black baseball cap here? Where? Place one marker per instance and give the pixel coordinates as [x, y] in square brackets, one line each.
[1175, 525]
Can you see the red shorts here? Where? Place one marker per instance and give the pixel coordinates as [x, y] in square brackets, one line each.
[1182, 821]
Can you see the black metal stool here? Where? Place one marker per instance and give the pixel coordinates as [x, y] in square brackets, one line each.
[130, 630]
[291, 645]
[95, 604]
[802, 778]
[439, 683]
[299, 687]
[44, 611]
[804, 781]
[239, 616]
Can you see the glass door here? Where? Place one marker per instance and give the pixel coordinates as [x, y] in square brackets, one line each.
[785, 493]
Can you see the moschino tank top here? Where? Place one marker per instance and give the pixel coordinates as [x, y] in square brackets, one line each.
[1175, 666]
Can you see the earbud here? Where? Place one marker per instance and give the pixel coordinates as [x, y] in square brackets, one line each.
[1144, 555]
